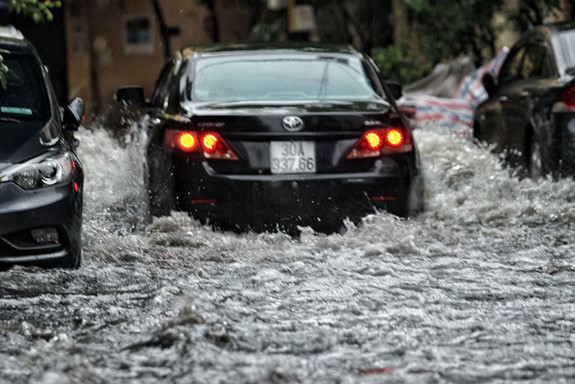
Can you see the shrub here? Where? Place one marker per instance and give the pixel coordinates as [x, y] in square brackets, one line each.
[399, 65]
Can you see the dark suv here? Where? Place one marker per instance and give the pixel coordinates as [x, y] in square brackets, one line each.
[530, 114]
[41, 177]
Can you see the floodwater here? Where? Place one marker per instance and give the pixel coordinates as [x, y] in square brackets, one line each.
[479, 288]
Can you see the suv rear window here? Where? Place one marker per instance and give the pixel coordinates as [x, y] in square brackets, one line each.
[24, 97]
[567, 39]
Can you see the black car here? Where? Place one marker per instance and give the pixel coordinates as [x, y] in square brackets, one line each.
[41, 177]
[530, 113]
[275, 137]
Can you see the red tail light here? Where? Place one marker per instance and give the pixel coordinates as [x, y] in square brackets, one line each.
[566, 100]
[373, 141]
[379, 142]
[395, 138]
[215, 147]
[186, 141]
[210, 144]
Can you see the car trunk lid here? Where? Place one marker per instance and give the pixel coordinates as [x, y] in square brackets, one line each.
[298, 138]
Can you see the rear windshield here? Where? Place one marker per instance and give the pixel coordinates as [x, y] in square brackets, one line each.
[567, 40]
[24, 97]
[281, 77]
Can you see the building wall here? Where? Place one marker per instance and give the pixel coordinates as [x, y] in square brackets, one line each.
[507, 35]
[78, 56]
[101, 57]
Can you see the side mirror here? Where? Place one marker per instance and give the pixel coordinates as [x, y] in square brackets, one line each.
[490, 83]
[395, 89]
[74, 114]
[131, 96]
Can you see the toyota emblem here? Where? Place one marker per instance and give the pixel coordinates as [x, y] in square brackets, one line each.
[292, 123]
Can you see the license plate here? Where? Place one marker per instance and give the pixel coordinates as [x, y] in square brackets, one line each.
[292, 156]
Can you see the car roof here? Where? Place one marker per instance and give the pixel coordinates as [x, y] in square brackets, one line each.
[551, 32]
[12, 39]
[10, 32]
[560, 26]
[275, 48]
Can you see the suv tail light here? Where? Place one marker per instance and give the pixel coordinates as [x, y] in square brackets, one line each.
[379, 142]
[565, 100]
[210, 144]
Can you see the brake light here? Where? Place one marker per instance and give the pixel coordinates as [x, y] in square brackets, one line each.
[381, 198]
[210, 144]
[379, 142]
[394, 138]
[373, 140]
[186, 141]
[565, 101]
[215, 147]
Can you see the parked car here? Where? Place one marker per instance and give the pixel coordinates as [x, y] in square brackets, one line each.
[529, 116]
[267, 137]
[41, 177]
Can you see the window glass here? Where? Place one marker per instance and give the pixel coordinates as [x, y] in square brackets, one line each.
[160, 97]
[373, 81]
[24, 97]
[548, 69]
[138, 35]
[537, 62]
[511, 69]
[567, 42]
[281, 77]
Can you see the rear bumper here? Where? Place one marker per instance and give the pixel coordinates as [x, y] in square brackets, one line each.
[302, 199]
[56, 208]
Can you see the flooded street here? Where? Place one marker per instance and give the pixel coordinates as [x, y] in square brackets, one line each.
[479, 288]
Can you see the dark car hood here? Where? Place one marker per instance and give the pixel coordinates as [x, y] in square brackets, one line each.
[300, 107]
[22, 141]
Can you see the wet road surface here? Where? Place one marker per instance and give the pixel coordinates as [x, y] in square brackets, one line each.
[477, 289]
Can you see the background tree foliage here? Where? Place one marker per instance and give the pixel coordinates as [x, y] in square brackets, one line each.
[439, 30]
[212, 22]
[38, 11]
[534, 12]
[446, 29]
